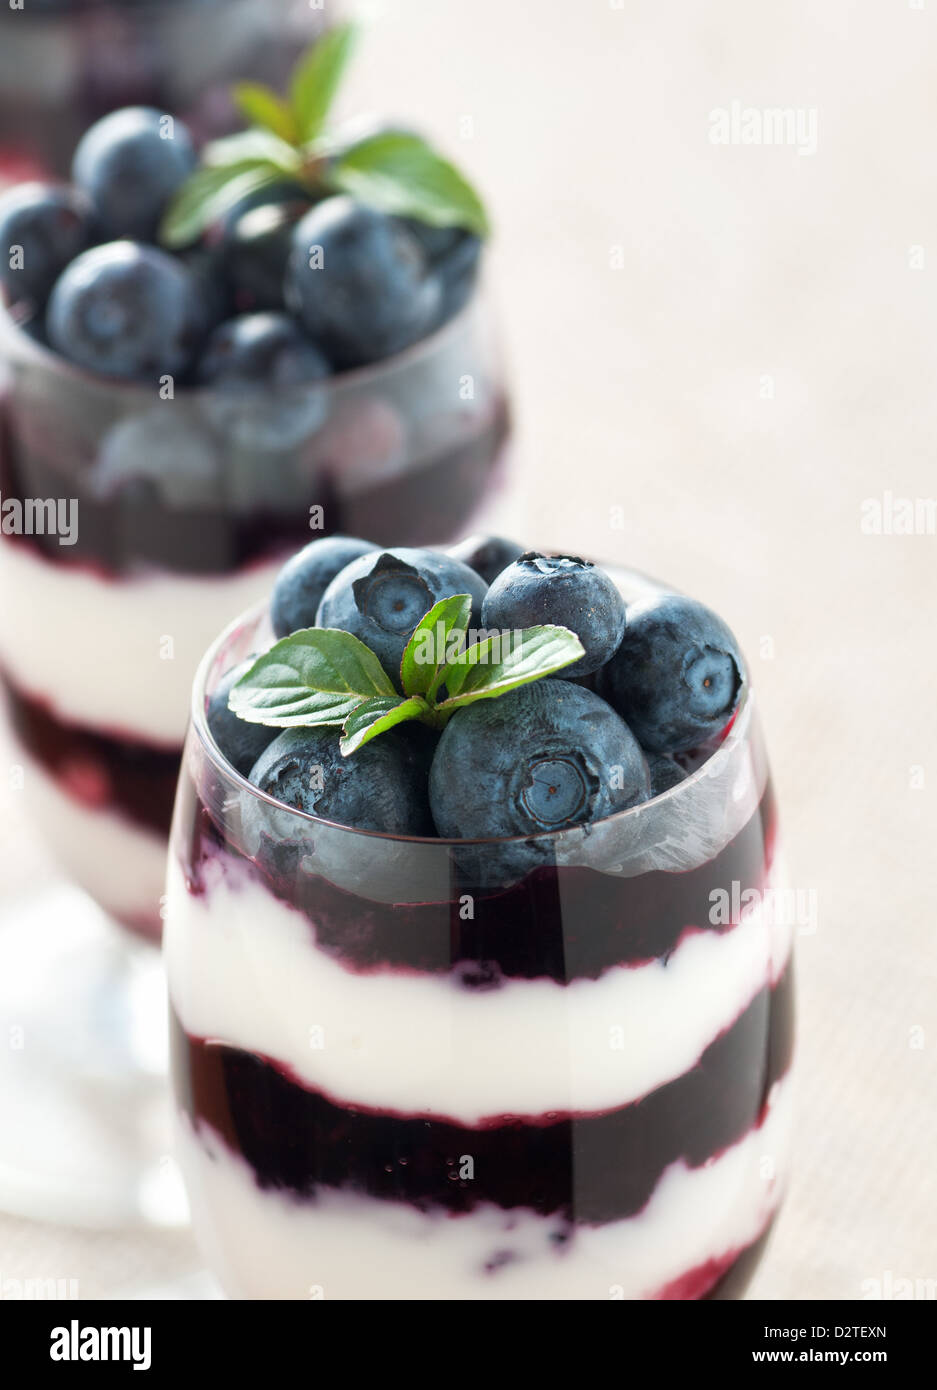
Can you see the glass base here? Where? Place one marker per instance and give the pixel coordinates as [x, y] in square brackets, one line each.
[84, 1106]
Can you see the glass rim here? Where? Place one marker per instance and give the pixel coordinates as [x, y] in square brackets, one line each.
[739, 726]
[36, 353]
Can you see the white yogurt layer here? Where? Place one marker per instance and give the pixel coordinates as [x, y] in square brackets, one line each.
[121, 865]
[265, 1245]
[244, 969]
[116, 655]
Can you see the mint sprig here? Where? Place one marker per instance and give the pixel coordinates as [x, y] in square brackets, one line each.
[499, 664]
[209, 193]
[436, 639]
[316, 676]
[397, 172]
[288, 140]
[374, 716]
[317, 78]
[324, 676]
[261, 107]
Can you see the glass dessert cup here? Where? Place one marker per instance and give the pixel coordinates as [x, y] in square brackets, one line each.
[145, 525]
[65, 63]
[402, 1073]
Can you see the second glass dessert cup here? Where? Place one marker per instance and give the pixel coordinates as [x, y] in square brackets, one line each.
[65, 63]
[401, 1073]
[146, 524]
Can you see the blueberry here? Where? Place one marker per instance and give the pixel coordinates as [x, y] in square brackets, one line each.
[223, 227]
[380, 787]
[455, 256]
[487, 555]
[304, 579]
[692, 759]
[360, 281]
[207, 269]
[260, 350]
[437, 242]
[42, 228]
[677, 674]
[422, 742]
[240, 742]
[565, 590]
[544, 757]
[127, 311]
[381, 597]
[664, 773]
[256, 251]
[262, 366]
[458, 271]
[130, 164]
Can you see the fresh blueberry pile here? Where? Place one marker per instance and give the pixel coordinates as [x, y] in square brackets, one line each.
[288, 285]
[587, 706]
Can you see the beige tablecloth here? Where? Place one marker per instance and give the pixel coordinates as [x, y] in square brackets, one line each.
[722, 354]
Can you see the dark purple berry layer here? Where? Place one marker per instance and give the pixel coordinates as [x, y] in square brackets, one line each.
[101, 771]
[564, 923]
[588, 1169]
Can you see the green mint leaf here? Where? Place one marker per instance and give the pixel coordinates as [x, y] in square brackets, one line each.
[401, 174]
[499, 664]
[373, 717]
[316, 79]
[262, 107]
[259, 146]
[316, 676]
[207, 194]
[436, 639]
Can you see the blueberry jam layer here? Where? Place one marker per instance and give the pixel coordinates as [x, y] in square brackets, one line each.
[134, 526]
[587, 1169]
[560, 922]
[100, 771]
[700, 1235]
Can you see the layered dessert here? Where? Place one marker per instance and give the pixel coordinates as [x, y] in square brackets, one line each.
[478, 987]
[64, 63]
[189, 395]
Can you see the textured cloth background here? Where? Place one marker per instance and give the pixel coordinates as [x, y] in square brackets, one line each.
[720, 353]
